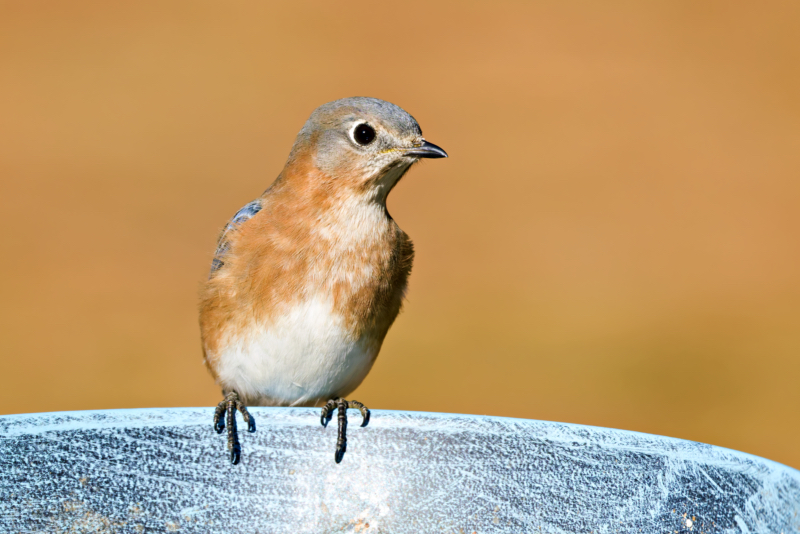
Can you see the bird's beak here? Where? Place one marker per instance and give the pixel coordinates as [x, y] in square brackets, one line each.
[426, 150]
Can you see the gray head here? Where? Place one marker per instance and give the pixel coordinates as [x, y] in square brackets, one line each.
[364, 139]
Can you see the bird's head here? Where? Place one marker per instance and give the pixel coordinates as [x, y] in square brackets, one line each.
[363, 143]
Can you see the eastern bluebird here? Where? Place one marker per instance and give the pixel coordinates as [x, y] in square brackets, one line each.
[308, 278]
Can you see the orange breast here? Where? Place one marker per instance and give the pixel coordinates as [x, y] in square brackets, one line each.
[312, 238]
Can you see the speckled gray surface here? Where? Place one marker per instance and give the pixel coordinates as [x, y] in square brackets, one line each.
[165, 470]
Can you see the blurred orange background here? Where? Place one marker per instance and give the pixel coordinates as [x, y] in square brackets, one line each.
[614, 241]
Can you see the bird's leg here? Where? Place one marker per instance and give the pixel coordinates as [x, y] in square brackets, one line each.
[341, 440]
[228, 406]
[342, 405]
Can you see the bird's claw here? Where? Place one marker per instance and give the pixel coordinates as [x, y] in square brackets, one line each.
[228, 407]
[342, 405]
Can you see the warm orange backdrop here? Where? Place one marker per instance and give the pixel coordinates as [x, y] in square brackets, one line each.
[614, 241]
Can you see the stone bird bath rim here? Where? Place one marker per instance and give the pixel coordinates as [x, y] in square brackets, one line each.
[165, 470]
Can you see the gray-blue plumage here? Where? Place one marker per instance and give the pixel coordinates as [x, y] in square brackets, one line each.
[242, 216]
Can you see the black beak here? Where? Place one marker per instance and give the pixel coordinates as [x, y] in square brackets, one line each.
[426, 150]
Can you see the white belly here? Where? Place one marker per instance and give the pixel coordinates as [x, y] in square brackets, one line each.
[303, 357]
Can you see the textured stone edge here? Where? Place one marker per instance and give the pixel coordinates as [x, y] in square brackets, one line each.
[679, 449]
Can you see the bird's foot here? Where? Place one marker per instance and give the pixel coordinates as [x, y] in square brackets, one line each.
[342, 405]
[228, 406]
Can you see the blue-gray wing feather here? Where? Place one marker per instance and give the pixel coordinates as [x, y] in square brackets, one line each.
[223, 243]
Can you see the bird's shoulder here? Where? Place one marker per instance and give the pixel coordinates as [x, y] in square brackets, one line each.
[247, 212]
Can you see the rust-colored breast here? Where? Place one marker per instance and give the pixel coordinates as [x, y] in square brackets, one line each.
[311, 238]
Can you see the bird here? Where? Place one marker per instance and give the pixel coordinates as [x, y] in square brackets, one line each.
[307, 279]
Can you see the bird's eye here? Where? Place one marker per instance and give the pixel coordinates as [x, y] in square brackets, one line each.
[364, 134]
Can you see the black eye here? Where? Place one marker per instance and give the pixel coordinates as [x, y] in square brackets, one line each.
[364, 134]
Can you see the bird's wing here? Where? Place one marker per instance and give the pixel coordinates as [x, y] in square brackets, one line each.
[223, 243]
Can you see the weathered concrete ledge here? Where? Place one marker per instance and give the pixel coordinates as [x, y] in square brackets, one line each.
[163, 470]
